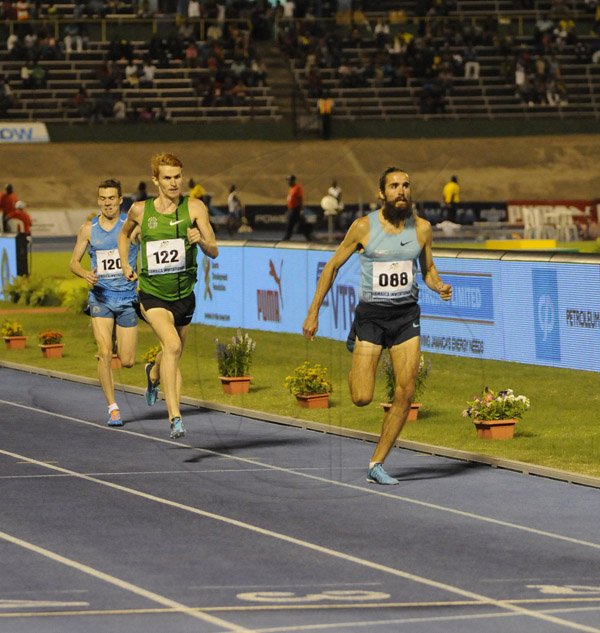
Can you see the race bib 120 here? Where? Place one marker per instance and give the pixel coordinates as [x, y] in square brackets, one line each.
[108, 264]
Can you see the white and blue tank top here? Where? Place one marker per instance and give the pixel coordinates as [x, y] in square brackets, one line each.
[388, 264]
[104, 256]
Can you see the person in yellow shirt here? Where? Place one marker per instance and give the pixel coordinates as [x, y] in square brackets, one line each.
[451, 197]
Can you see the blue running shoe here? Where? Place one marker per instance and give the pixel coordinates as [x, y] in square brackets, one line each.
[177, 428]
[115, 418]
[377, 475]
[151, 387]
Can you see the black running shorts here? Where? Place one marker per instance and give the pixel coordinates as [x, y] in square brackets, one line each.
[385, 325]
[181, 309]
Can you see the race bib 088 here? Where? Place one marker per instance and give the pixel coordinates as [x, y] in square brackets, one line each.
[392, 279]
[165, 256]
[108, 263]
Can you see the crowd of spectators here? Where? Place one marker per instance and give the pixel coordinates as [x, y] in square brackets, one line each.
[384, 51]
[442, 48]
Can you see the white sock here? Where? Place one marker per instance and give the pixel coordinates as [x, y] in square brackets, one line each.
[373, 464]
[113, 407]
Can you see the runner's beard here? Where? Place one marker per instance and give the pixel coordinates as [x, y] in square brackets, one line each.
[394, 214]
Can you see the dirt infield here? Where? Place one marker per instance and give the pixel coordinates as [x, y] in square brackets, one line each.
[65, 176]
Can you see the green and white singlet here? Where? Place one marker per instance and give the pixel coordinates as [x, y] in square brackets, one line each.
[168, 260]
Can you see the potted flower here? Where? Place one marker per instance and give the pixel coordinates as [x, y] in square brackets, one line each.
[51, 343]
[234, 360]
[310, 385]
[420, 384]
[12, 332]
[495, 414]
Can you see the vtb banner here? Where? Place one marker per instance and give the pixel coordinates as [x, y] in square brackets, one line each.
[540, 313]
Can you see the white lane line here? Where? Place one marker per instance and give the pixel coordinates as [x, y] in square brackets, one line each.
[364, 489]
[313, 546]
[123, 584]
[127, 473]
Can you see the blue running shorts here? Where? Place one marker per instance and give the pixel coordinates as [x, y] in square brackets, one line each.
[114, 305]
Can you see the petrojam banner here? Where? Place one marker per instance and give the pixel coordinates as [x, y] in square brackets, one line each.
[534, 312]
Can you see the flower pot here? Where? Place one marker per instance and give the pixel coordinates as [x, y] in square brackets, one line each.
[52, 350]
[15, 342]
[115, 362]
[313, 400]
[413, 412]
[495, 429]
[235, 384]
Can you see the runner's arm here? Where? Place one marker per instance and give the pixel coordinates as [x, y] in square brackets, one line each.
[428, 270]
[83, 239]
[201, 232]
[133, 221]
[350, 244]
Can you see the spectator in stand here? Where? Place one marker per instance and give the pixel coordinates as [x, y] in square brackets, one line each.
[7, 98]
[148, 73]
[161, 115]
[471, 63]
[120, 109]
[191, 55]
[22, 10]
[8, 204]
[132, 79]
[49, 48]
[381, 33]
[18, 221]
[194, 9]
[325, 108]
[214, 32]
[186, 30]
[82, 102]
[109, 75]
[72, 39]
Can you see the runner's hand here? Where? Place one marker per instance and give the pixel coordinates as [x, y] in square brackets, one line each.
[445, 292]
[194, 236]
[91, 277]
[310, 327]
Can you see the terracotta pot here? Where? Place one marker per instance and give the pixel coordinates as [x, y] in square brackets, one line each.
[495, 429]
[52, 350]
[413, 412]
[115, 362]
[313, 400]
[235, 384]
[15, 342]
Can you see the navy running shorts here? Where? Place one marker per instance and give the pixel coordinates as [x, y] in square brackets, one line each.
[384, 325]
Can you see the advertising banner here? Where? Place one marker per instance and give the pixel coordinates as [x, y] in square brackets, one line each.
[539, 313]
[8, 261]
[23, 132]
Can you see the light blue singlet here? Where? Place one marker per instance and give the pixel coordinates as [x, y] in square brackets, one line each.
[104, 257]
[388, 265]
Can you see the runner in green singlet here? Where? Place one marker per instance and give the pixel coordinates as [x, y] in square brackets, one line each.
[172, 227]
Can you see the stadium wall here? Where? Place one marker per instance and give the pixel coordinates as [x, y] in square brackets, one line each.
[532, 308]
[283, 130]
